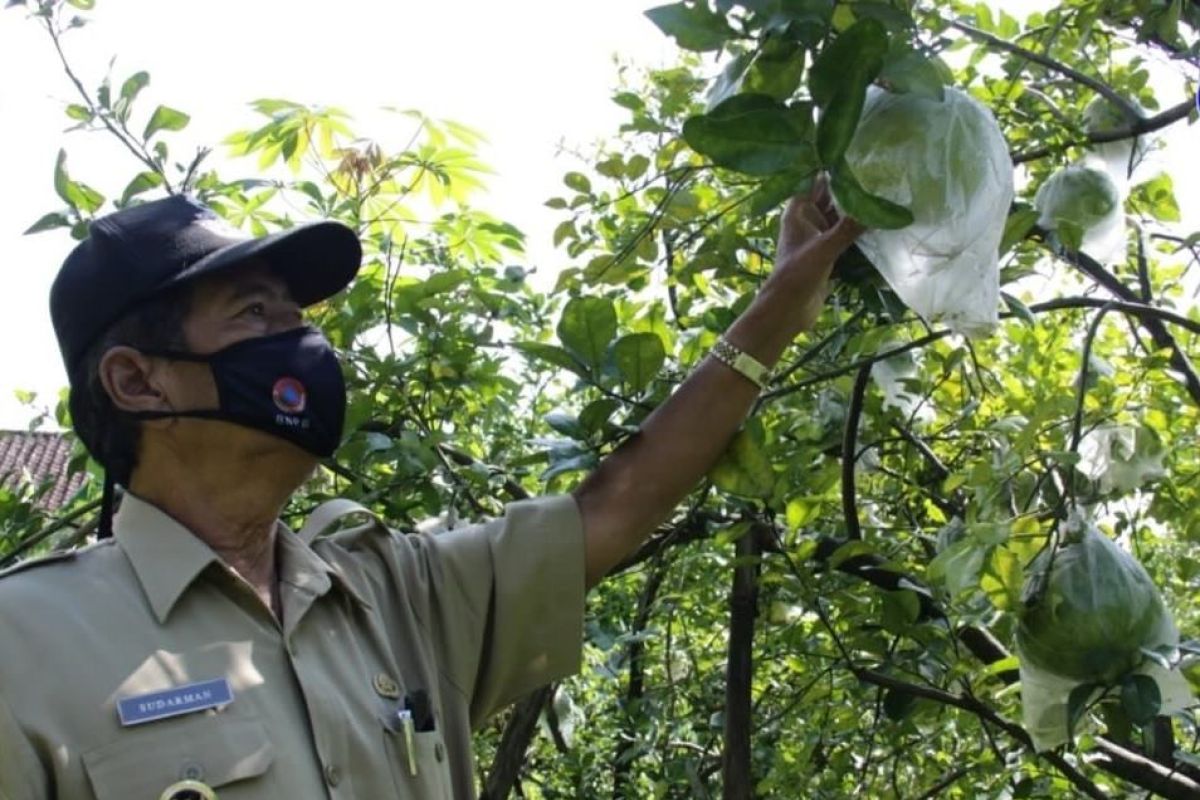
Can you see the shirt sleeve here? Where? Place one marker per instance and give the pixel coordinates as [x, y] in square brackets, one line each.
[21, 776]
[507, 601]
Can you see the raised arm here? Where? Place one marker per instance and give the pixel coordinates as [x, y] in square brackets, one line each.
[638, 485]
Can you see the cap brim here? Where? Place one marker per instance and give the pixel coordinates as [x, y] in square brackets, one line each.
[316, 260]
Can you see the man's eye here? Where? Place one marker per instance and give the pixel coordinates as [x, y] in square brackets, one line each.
[255, 310]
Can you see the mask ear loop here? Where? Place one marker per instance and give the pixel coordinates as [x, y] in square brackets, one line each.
[106, 507]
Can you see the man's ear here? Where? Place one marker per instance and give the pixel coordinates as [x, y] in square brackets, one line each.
[129, 377]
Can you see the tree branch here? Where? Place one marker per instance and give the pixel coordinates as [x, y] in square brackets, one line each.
[624, 755]
[514, 742]
[100, 114]
[1095, 85]
[849, 452]
[1144, 125]
[1158, 332]
[739, 671]
[1148, 774]
[985, 713]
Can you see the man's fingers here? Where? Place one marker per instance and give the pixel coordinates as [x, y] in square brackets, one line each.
[835, 240]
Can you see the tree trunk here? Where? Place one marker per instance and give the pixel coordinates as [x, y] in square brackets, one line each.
[739, 670]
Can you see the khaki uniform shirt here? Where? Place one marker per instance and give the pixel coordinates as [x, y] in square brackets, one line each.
[473, 617]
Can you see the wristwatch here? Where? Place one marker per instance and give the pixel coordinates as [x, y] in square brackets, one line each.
[741, 362]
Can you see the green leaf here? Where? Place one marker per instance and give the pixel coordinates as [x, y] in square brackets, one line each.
[755, 134]
[78, 112]
[854, 58]
[1077, 703]
[1019, 309]
[806, 21]
[566, 424]
[596, 413]
[869, 209]
[1018, 225]
[744, 469]
[577, 181]
[900, 610]
[133, 85]
[61, 179]
[776, 70]
[1164, 656]
[692, 26]
[165, 118]
[730, 81]
[636, 166]
[562, 462]
[55, 219]
[907, 71]
[85, 5]
[849, 550]
[587, 326]
[959, 565]
[1158, 196]
[77, 195]
[639, 357]
[142, 182]
[555, 356]
[1070, 234]
[1140, 698]
[839, 82]
[1002, 579]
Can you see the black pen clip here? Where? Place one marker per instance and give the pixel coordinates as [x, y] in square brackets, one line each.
[419, 706]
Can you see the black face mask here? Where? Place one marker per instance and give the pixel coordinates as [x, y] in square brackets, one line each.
[287, 384]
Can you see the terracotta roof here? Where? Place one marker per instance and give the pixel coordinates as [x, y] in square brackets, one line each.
[38, 457]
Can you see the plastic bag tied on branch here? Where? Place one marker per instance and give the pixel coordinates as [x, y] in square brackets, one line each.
[1093, 627]
[946, 161]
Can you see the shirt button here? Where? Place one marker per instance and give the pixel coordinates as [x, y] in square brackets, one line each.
[386, 687]
[192, 772]
[333, 775]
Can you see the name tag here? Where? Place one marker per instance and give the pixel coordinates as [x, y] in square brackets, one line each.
[174, 702]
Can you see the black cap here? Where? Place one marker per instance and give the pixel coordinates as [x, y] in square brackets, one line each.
[138, 252]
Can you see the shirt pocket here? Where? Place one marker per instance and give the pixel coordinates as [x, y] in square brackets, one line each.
[213, 749]
[428, 760]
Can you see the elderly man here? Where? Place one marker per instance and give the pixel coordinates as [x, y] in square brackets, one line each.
[202, 649]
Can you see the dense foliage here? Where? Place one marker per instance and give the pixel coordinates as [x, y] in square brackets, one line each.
[830, 614]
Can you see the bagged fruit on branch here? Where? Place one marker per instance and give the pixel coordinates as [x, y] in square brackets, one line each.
[1090, 615]
[948, 163]
[1119, 157]
[1084, 206]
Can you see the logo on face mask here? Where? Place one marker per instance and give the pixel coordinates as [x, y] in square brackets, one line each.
[289, 395]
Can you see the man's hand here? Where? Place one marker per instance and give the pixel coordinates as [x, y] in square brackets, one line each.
[811, 237]
[639, 485]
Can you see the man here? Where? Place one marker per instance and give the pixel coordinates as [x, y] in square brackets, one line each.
[203, 649]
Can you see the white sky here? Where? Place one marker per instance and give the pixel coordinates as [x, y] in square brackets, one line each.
[528, 73]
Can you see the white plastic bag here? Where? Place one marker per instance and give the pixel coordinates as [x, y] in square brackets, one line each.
[1121, 457]
[1088, 616]
[948, 162]
[1121, 157]
[1086, 197]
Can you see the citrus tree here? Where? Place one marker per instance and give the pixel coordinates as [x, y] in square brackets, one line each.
[833, 611]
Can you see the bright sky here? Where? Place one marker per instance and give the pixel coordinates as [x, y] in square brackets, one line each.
[530, 74]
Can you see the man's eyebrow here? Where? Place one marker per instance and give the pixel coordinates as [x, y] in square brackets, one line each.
[255, 287]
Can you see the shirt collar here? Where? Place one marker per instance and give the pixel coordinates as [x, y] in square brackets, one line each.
[167, 557]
